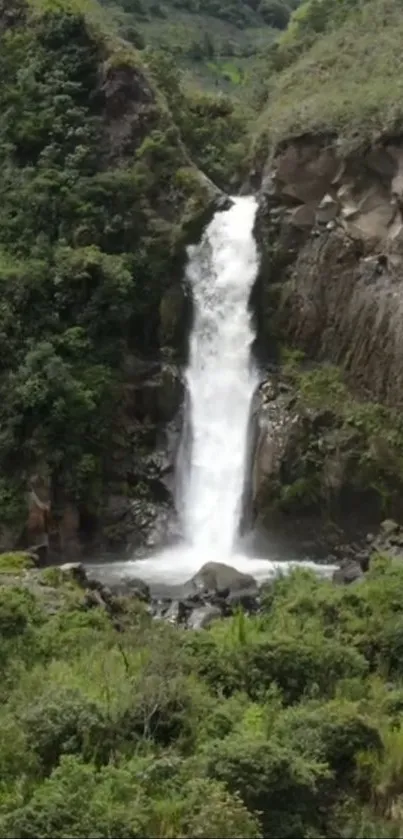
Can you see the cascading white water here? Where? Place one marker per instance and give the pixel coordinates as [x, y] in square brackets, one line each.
[220, 378]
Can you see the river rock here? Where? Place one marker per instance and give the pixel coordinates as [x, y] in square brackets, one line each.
[247, 599]
[203, 617]
[75, 571]
[216, 576]
[349, 572]
[132, 586]
[389, 540]
[177, 612]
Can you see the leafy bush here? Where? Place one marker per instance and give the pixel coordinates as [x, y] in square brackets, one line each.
[271, 779]
[78, 800]
[65, 722]
[18, 612]
[15, 563]
[285, 723]
[275, 13]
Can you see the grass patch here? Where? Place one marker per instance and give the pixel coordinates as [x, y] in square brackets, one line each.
[349, 81]
[15, 563]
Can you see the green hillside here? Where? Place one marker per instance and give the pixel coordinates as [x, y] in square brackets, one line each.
[215, 42]
[337, 69]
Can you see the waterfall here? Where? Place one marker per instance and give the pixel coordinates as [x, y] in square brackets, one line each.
[221, 379]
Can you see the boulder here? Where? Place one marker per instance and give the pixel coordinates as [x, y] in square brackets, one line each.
[247, 599]
[388, 528]
[328, 209]
[132, 586]
[380, 161]
[176, 612]
[75, 571]
[349, 572]
[204, 616]
[303, 216]
[218, 577]
[389, 540]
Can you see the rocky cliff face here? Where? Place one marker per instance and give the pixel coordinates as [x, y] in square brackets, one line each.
[331, 286]
[332, 233]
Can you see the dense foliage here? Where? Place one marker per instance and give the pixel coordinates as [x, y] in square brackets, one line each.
[286, 724]
[92, 222]
[213, 127]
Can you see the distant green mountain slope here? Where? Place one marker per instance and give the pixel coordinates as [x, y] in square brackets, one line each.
[216, 41]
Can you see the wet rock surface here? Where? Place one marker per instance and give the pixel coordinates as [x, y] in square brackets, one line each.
[216, 591]
[350, 571]
[216, 576]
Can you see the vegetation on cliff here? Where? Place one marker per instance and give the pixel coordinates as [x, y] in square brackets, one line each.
[346, 451]
[286, 724]
[97, 192]
[329, 74]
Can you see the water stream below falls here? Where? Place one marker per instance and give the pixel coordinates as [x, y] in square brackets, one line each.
[221, 379]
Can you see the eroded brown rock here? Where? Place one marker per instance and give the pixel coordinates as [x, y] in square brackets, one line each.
[334, 286]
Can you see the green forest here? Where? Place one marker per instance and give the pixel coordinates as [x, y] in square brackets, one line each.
[286, 724]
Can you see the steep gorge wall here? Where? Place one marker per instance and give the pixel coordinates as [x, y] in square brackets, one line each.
[330, 440]
[332, 236]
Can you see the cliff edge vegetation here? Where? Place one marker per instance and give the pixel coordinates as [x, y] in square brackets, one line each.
[337, 70]
[98, 198]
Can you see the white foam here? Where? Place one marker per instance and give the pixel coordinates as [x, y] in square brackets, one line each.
[178, 565]
[221, 379]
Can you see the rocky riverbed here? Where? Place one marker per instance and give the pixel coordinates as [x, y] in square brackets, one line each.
[217, 590]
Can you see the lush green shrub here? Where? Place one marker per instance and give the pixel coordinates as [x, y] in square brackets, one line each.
[15, 563]
[280, 724]
[18, 611]
[272, 779]
[298, 666]
[77, 800]
[66, 722]
[275, 13]
[334, 732]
